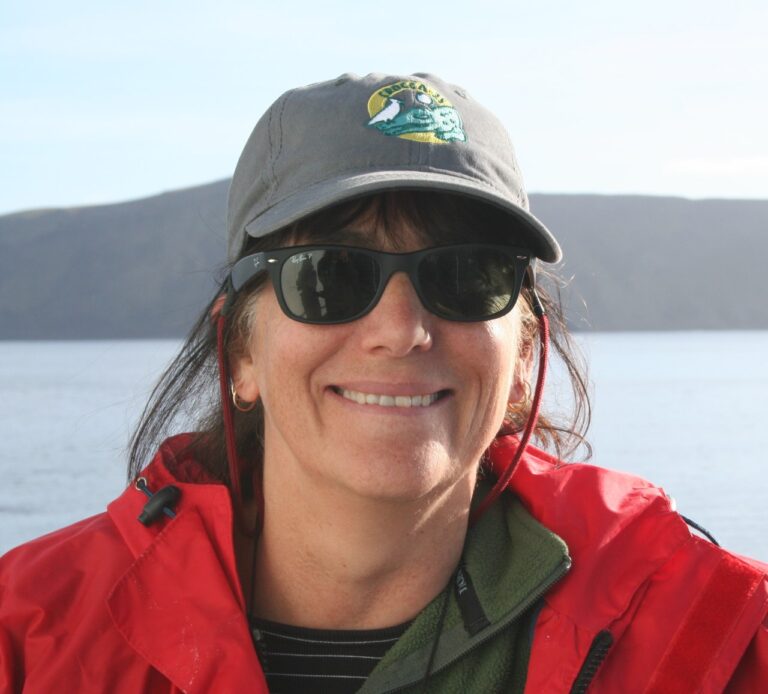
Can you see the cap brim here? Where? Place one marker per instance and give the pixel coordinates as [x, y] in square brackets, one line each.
[329, 192]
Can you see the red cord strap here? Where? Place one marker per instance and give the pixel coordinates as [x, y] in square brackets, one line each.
[530, 426]
[226, 407]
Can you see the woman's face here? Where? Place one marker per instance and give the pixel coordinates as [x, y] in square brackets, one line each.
[335, 396]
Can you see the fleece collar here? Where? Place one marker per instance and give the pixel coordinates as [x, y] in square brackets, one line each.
[511, 561]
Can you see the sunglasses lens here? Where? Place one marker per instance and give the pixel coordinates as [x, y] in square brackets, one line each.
[467, 283]
[327, 286]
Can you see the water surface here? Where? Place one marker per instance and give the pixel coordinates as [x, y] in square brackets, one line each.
[681, 409]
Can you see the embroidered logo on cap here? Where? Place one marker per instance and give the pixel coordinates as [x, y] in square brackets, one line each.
[415, 111]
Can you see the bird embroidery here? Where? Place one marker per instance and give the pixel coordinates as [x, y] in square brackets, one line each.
[390, 110]
[413, 113]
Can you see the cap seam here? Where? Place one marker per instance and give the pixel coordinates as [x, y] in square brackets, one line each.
[271, 170]
[279, 127]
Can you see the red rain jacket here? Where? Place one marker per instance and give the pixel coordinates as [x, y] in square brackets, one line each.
[109, 605]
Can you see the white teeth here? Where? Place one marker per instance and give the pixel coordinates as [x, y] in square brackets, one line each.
[389, 400]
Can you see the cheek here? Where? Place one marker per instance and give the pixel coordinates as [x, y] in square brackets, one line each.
[287, 355]
[503, 353]
[489, 353]
[501, 347]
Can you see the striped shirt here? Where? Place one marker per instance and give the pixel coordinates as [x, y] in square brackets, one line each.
[299, 660]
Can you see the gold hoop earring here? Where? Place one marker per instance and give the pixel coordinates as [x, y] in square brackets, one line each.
[240, 405]
[525, 398]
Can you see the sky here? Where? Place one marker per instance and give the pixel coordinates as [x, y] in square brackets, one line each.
[102, 102]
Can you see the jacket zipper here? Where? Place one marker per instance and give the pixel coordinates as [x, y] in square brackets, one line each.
[595, 656]
[261, 649]
[556, 575]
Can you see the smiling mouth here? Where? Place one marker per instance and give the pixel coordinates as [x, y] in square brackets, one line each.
[390, 400]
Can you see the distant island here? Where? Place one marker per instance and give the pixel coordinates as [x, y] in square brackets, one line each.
[146, 268]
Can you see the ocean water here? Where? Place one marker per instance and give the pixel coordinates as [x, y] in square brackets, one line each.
[684, 410]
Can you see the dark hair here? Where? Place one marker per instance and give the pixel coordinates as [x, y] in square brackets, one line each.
[188, 389]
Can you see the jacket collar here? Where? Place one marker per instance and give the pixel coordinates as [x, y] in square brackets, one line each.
[603, 517]
[510, 558]
[180, 605]
[204, 644]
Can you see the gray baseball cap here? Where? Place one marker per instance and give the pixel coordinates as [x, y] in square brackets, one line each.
[333, 141]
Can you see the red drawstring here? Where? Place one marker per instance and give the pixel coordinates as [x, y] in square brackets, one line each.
[226, 407]
[530, 425]
[233, 460]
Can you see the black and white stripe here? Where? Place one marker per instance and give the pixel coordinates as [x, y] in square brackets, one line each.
[299, 660]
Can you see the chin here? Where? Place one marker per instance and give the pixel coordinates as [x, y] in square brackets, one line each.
[403, 478]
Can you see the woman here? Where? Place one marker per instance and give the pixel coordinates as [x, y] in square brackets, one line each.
[359, 508]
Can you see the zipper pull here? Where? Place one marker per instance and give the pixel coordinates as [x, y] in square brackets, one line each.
[595, 657]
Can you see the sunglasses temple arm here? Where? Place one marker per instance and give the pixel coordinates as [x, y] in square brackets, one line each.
[530, 282]
[533, 416]
[224, 302]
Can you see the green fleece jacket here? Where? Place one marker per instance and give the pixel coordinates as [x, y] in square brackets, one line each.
[510, 561]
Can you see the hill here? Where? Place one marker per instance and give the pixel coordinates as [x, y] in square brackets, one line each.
[145, 268]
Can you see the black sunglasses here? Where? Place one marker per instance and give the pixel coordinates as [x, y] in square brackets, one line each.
[338, 284]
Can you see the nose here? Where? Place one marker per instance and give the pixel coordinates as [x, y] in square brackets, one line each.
[398, 324]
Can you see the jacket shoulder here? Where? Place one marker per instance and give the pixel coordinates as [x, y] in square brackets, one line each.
[62, 563]
[586, 504]
[640, 575]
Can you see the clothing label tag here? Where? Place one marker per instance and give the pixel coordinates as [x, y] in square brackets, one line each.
[469, 605]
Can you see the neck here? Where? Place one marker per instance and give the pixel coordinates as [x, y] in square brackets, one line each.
[354, 563]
